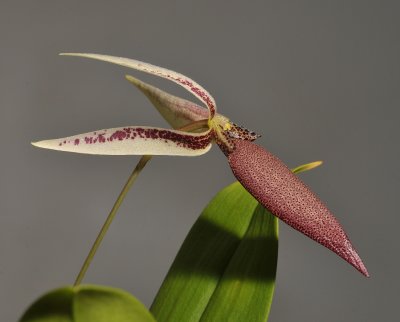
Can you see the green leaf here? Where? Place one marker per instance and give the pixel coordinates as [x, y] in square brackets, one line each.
[226, 264]
[246, 289]
[87, 303]
[53, 306]
[307, 166]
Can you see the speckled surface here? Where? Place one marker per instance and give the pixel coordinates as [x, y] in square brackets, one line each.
[272, 183]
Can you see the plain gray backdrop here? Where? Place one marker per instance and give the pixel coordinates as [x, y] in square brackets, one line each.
[319, 80]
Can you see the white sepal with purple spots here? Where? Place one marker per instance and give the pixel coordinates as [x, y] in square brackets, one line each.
[133, 140]
[182, 80]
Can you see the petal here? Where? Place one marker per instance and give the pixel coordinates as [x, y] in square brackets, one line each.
[133, 141]
[177, 111]
[178, 78]
[288, 198]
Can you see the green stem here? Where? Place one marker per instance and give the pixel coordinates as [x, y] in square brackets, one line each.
[201, 124]
[139, 167]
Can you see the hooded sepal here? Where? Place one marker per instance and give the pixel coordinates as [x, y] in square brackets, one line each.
[177, 111]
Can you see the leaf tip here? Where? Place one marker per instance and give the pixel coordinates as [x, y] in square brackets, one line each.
[132, 80]
[315, 164]
[307, 167]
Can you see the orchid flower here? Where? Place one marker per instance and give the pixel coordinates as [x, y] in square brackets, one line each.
[262, 174]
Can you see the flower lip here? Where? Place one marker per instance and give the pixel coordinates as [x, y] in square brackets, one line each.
[240, 132]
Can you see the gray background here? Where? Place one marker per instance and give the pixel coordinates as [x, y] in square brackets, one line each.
[319, 80]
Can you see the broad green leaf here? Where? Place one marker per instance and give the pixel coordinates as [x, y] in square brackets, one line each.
[211, 256]
[87, 303]
[225, 269]
[246, 289]
[55, 306]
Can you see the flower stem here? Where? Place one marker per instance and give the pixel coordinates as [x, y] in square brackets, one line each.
[201, 124]
[139, 167]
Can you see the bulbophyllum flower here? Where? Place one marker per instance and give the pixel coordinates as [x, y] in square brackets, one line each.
[267, 178]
